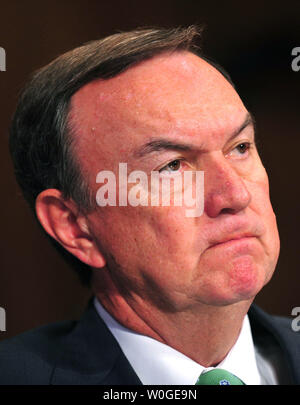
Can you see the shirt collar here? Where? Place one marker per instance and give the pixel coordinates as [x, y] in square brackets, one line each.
[155, 363]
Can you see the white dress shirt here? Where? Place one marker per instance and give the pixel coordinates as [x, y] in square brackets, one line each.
[155, 363]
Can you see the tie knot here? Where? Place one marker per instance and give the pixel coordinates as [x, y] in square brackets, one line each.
[218, 376]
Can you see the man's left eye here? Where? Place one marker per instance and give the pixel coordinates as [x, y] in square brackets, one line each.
[242, 148]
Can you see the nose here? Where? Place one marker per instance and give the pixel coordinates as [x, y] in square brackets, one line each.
[225, 189]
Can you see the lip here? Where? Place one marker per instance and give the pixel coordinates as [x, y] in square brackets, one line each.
[233, 241]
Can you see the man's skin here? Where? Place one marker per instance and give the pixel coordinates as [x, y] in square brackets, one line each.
[187, 282]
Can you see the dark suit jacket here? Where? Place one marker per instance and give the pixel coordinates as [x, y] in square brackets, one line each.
[84, 352]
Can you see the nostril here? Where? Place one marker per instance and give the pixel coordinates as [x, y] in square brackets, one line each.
[227, 211]
[228, 198]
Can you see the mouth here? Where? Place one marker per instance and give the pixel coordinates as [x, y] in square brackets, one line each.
[233, 241]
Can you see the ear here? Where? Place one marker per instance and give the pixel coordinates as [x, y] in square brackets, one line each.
[61, 220]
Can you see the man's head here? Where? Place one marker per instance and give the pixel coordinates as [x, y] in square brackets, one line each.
[40, 137]
[170, 111]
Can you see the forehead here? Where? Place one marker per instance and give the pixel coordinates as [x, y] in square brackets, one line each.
[175, 93]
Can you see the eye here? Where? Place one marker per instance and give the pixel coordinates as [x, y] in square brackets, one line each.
[243, 147]
[240, 149]
[173, 166]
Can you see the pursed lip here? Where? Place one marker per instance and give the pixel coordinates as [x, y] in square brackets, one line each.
[235, 238]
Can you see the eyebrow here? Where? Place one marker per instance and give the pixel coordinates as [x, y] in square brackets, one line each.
[164, 144]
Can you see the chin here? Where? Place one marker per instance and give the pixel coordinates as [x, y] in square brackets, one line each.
[246, 279]
[241, 281]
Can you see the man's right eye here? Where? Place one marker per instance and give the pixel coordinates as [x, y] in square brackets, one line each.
[173, 166]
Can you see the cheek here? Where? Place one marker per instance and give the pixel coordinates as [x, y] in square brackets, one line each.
[272, 244]
[174, 233]
[263, 208]
[141, 236]
[164, 246]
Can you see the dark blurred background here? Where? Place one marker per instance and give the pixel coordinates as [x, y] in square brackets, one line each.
[253, 40]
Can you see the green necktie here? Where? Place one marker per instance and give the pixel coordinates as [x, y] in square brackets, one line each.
[218, 376]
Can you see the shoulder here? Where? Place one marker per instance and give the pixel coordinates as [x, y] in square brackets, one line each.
[281, 327]
[29, 358]
[71, 352]
[281, 331]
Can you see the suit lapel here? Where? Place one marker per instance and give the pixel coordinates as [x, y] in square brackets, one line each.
[90, 355]
[278, 328]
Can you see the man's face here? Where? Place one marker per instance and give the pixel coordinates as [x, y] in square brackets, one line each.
[158, 254]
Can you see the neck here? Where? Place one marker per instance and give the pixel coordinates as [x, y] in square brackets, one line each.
[204, 333]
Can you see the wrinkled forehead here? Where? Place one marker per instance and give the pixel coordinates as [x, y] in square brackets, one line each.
[175, 88]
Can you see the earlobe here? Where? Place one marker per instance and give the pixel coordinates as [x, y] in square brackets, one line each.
[62, 221]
